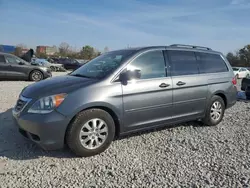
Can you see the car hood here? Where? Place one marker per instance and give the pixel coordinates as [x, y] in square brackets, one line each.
[56, 85]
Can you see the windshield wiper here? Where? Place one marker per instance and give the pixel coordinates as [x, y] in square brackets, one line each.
[80, 75]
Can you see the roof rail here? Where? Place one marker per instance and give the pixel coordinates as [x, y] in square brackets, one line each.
[190, 46]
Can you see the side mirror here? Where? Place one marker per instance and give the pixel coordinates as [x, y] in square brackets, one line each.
[21, 63]
[130, 74]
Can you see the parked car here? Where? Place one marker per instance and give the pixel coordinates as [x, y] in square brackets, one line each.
[126, 91]
[241, 72]
[245, 86]
[15, 68]
[82, 61]
[69, 64]
[45, 63]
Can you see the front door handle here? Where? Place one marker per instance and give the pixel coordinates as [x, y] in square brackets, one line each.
[164, 85]
[180, 83]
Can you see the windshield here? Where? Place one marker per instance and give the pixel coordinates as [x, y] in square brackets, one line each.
[235, 69]
[103, 65]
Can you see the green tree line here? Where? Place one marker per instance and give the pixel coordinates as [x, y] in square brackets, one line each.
[241, 58]
[87, 52]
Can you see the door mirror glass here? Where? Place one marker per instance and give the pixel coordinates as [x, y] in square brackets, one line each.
[130, 74]
[21, 63]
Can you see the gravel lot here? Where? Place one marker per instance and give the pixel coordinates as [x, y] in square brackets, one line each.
[188, 155]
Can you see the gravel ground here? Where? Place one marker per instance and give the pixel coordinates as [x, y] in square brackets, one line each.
[188, 155]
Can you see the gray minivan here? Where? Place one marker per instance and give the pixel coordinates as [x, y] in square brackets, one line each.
[126, 91]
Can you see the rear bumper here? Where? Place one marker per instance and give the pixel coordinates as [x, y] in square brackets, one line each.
[231, 97]
[46, 130]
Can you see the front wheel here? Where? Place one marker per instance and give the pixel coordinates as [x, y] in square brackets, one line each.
[90, 133]
[36, 76]
[215, 111]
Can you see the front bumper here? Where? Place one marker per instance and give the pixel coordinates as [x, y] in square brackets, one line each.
[47, 130]
[47, 74]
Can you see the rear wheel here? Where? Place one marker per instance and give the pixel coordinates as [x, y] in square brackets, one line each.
[36, 76]
[215, 111]
[91, 132]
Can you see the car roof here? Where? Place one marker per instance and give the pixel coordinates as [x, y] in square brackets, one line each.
[3, 53]
[174, 47]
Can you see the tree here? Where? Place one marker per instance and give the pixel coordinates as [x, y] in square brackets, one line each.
[18, 51]
[233, 59]
[22, 46]
[244, 55]
[64, 48]
[87, 52]
[41, 55]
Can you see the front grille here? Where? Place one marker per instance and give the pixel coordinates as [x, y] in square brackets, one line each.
[21, 103]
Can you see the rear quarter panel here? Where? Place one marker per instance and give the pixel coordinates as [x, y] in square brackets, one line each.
[221, 83]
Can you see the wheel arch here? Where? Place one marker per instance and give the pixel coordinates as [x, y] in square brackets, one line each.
[106, 108]
[35, 70]
[223, 96]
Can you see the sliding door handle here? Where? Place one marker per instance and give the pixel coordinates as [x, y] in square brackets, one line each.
[180, 83]
[164, 85]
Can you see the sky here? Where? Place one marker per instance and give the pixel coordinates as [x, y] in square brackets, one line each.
[220, 24]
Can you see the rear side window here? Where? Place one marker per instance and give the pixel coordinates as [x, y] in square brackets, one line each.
[2, 59]
[211, 63]
[183, 63]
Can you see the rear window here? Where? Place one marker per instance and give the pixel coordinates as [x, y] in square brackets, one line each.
[211, 63]
[2, 59]
[183, 63]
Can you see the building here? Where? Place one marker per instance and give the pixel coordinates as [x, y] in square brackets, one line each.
[41, 49]
[48, 50]
[7, 48]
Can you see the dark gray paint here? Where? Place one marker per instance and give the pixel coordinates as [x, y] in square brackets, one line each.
[137, 105]
[16, 71]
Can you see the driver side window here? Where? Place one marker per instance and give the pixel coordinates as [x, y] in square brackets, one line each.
[151, 65]
[12, 60]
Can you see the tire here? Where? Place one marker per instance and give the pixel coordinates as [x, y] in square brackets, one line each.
[53, 69]
[212, 121]
[247, 92]
[74, 140]
[36, 76]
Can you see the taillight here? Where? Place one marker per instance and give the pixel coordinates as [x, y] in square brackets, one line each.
[234, 81]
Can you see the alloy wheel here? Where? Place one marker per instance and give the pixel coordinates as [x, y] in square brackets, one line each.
[93, 133]
[216, 111]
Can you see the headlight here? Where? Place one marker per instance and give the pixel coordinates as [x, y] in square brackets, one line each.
[47, 104]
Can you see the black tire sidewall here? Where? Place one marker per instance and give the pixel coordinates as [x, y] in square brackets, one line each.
[208, 120]
[31, 78]
[72, 135]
